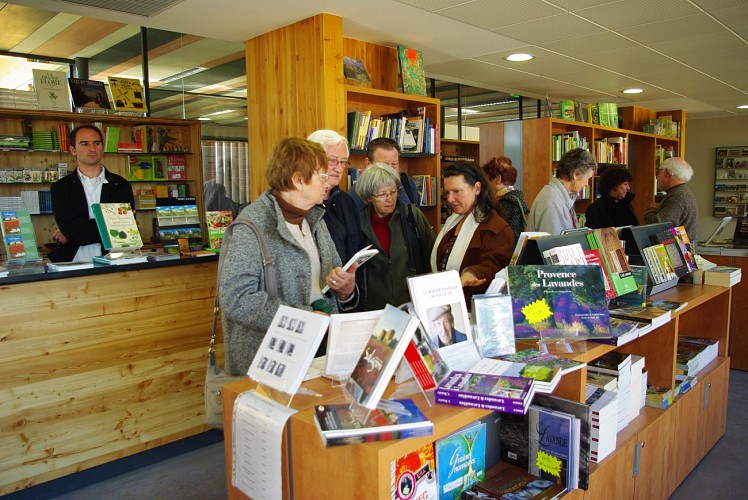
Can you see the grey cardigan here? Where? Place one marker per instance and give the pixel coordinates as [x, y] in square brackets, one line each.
[551, 211]
[246, 309]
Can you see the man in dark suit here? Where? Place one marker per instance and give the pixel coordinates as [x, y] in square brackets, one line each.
[73, 195]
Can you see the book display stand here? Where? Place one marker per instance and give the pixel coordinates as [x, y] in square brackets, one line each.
[637, 238]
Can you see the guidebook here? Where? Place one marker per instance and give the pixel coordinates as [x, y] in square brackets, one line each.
[380, 356]
[489, 392]
[19, 239]
[117, 227]
[558, 302]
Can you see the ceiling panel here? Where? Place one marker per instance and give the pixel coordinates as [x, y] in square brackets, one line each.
[541, 65]
[558, 27]
[592, 43]
[703, 44]
[662, 31]
[635, 12]
[18, 22]
[491, 14]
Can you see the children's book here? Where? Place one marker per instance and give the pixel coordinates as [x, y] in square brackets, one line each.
[414, 475]
[461, 460]
[117, 227]
[412, 74]
[381, 355]
[127, 94]
[89, 94]
[52, 89]
[557, 302]
[340, 424]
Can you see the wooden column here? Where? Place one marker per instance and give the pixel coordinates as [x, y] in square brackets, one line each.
[295, 86]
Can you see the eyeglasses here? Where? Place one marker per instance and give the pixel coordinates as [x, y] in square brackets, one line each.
[334, 162]
[384, 196]
[323, 177]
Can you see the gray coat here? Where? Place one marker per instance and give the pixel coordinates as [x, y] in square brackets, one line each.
[246, 309]
[551, 211]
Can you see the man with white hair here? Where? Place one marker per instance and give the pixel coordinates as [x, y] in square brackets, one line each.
[679, 204]
[444, 326]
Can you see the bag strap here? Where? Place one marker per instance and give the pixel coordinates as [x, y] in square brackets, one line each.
[271, 284]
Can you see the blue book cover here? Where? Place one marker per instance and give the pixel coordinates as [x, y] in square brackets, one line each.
[461, 461]
[558, 302]
[551, 453]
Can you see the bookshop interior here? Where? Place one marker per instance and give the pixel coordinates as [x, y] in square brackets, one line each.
[600, 360]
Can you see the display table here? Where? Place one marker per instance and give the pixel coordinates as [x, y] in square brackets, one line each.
[734, 257]
[676, 439]
[97, 364]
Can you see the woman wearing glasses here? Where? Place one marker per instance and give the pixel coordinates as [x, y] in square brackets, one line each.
[399, 231]
[304, 255]
[341, 212]
[475, 240]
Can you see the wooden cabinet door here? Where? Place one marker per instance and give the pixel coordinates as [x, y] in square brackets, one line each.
[612, 478]
[714, 404]
[657, 460]
[688, 432]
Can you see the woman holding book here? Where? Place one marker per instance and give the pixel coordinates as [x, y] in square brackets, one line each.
[504, 175]
[399, 231]
[475, 240]
[289, 218]
[613, 208]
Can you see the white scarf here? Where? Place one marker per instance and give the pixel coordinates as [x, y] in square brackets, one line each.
[461, 243]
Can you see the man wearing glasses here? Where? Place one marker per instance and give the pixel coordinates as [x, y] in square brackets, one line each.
[679, 204]
[341, 213]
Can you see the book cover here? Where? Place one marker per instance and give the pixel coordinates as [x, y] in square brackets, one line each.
[494, 325]
[558, 302]
[51, 89]
[622, 331]
[538, 363]
[611, 363]
[176, 168]
[566, 109]
[513, 483]
[668, 239]
[461, 460]
[412, 75]
[614, 259]
[593, 257]
[646, 314]
[89, 94]
[127, 94]
[19, 238]
[288, 348]
[117, 226]
[354, 69]
[499, 389]
[217, 221]
[665, 263]
[551, 454]
[639, 296]
[413, 476]
[424, 360]
[341, 424]
[380, 356]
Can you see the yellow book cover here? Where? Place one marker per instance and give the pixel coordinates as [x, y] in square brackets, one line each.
[127, 94]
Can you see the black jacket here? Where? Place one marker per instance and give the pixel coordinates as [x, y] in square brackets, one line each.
[607, 212]
[70, 208]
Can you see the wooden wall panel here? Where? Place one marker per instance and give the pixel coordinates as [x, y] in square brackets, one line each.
[295, 81]
[380, 62]
[95, 368]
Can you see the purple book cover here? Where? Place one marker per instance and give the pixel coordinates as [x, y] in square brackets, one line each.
[496, 388]
[482, 405]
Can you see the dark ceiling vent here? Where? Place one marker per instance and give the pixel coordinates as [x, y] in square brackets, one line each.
[136, 7]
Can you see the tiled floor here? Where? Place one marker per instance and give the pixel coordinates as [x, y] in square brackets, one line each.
[200, 473]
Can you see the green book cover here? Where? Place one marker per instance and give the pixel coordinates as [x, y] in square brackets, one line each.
[411, 71]
[117, 226]
[19, 240]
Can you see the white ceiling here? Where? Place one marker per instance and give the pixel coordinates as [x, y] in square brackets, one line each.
[686, 54]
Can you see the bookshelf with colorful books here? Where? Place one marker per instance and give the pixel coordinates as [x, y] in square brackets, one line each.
[424, 160]
[39, 155]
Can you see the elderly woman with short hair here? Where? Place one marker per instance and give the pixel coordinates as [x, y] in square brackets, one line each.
[400, 232]
[289, 218]
[553, 208]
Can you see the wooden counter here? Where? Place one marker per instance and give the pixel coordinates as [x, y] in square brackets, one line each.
[98, 366]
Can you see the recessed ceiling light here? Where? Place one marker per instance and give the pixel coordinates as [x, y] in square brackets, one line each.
[743, 106]
[633, 91]
[519, 57]
[204, 119]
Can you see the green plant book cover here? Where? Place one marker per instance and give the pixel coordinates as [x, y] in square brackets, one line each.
[117, 226]
[411, 71]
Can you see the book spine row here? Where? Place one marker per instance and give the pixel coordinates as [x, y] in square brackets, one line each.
[519, 410]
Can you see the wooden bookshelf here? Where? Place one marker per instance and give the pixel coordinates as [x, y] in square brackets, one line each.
[668, 443]
[186, 135]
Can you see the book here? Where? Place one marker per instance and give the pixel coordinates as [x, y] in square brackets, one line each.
[561, 301]
[614, 259]
[623, 331]
[413, 476]
[542, 366]
[722, 276]
[51, 89]
[412, 75]
[88, 94]
[668, 305]
[117, 227]
[347, 336]
[686, 249]
[637, 297]
[566, 109]
[123, 260]
[176, 168]
[513, 483]
[553, 443]
[494, 325]
[111, 139]
[340, 424]
[424, 361]
[604, 413]
[382, 353]
[287, 350]
[68, 266]
[461, 460]
[359, 257]
[216, 222]
[19, 238]
[499, 390]
[673, 249]
[354, 69]
[127, 94]
[602, 380]
[645, 314]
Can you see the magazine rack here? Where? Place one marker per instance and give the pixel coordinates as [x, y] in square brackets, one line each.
[635, 239]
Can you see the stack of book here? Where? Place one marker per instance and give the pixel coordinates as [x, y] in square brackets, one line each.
[15, 142]
[654, 316]
[659, 397]
[488, 392]
[722, 276]
[45, 140]
[602, 380]
[624, 331]
[617, 364]
[694, 353]
[604, 408]
[638, 386]
[684, 383]
[545, 368]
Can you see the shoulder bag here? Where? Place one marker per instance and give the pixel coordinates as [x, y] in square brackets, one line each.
[216, 376]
